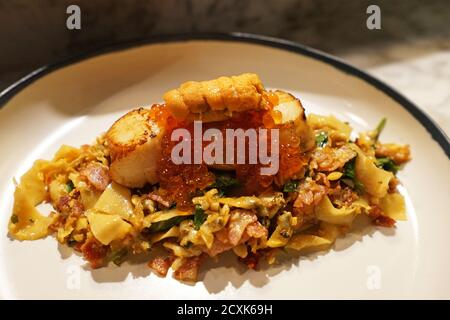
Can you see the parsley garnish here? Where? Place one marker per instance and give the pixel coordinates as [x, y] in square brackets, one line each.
[69, 186]
[199, 216]
[224, 183]
[349, 176]
[321, 139]
[290, 186]
[380, 128]
[387, 164]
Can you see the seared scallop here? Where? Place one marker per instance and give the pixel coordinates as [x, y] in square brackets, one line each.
[134, 143]
[292, 112]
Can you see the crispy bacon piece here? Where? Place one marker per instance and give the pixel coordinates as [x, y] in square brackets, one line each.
[222, 240]
[399, 153]
[94, 252]
[329, 159]
[310, 194]
[222, 243]
[384, 221]
[63, 204]
[189, 269]
[97, 175]
[161, 265]
[344, 196]
[217, 247]
[393, 184]
[69, 208]
[379, 219]
[239, 221]
[256, 230]
[159, 199]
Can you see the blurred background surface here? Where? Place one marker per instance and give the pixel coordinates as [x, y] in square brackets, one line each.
[411, 52]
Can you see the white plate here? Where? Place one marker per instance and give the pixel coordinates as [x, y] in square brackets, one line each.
[74, 103]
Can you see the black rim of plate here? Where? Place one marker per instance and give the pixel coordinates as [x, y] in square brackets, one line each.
[436, 132]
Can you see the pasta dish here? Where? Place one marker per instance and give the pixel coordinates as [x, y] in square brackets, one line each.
[220, 165]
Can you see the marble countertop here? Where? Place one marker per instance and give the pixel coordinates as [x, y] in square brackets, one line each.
[419, 71]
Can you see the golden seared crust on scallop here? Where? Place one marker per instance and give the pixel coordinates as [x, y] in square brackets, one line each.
[130, 131]
[292, 111]
[134, 143]
[221, 96]
[294, 120]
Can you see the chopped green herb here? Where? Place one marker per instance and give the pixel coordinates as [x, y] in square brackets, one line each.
[118, 257]
[349, 176]
[321, 139]
[380, 128]
[290, 186]
[14, 218]
[387, 164]
[349, 169]
[199, 216]
[166, 224]
[69, 186]
[224, 183]
[359, 187]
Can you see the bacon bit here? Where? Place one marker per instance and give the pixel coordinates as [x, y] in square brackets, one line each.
[329, 159]
[159, 199]
[384, 221]
[97, 175]
[69, 209]
[222, 243]
[218, 246]
[94, 252]
[77, 208]
[322, 179]
[251, 260]
[256, 230]
[393, 183]
[58, 222]
[236, 232]
[63, 203]
[379, 219]
[309, 194]
[161, 265]
[189, 269]
[398, 153]
[344, 197]
[239, 220]
[222, 235]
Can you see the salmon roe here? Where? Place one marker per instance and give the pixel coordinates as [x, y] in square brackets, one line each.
[180, 183]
